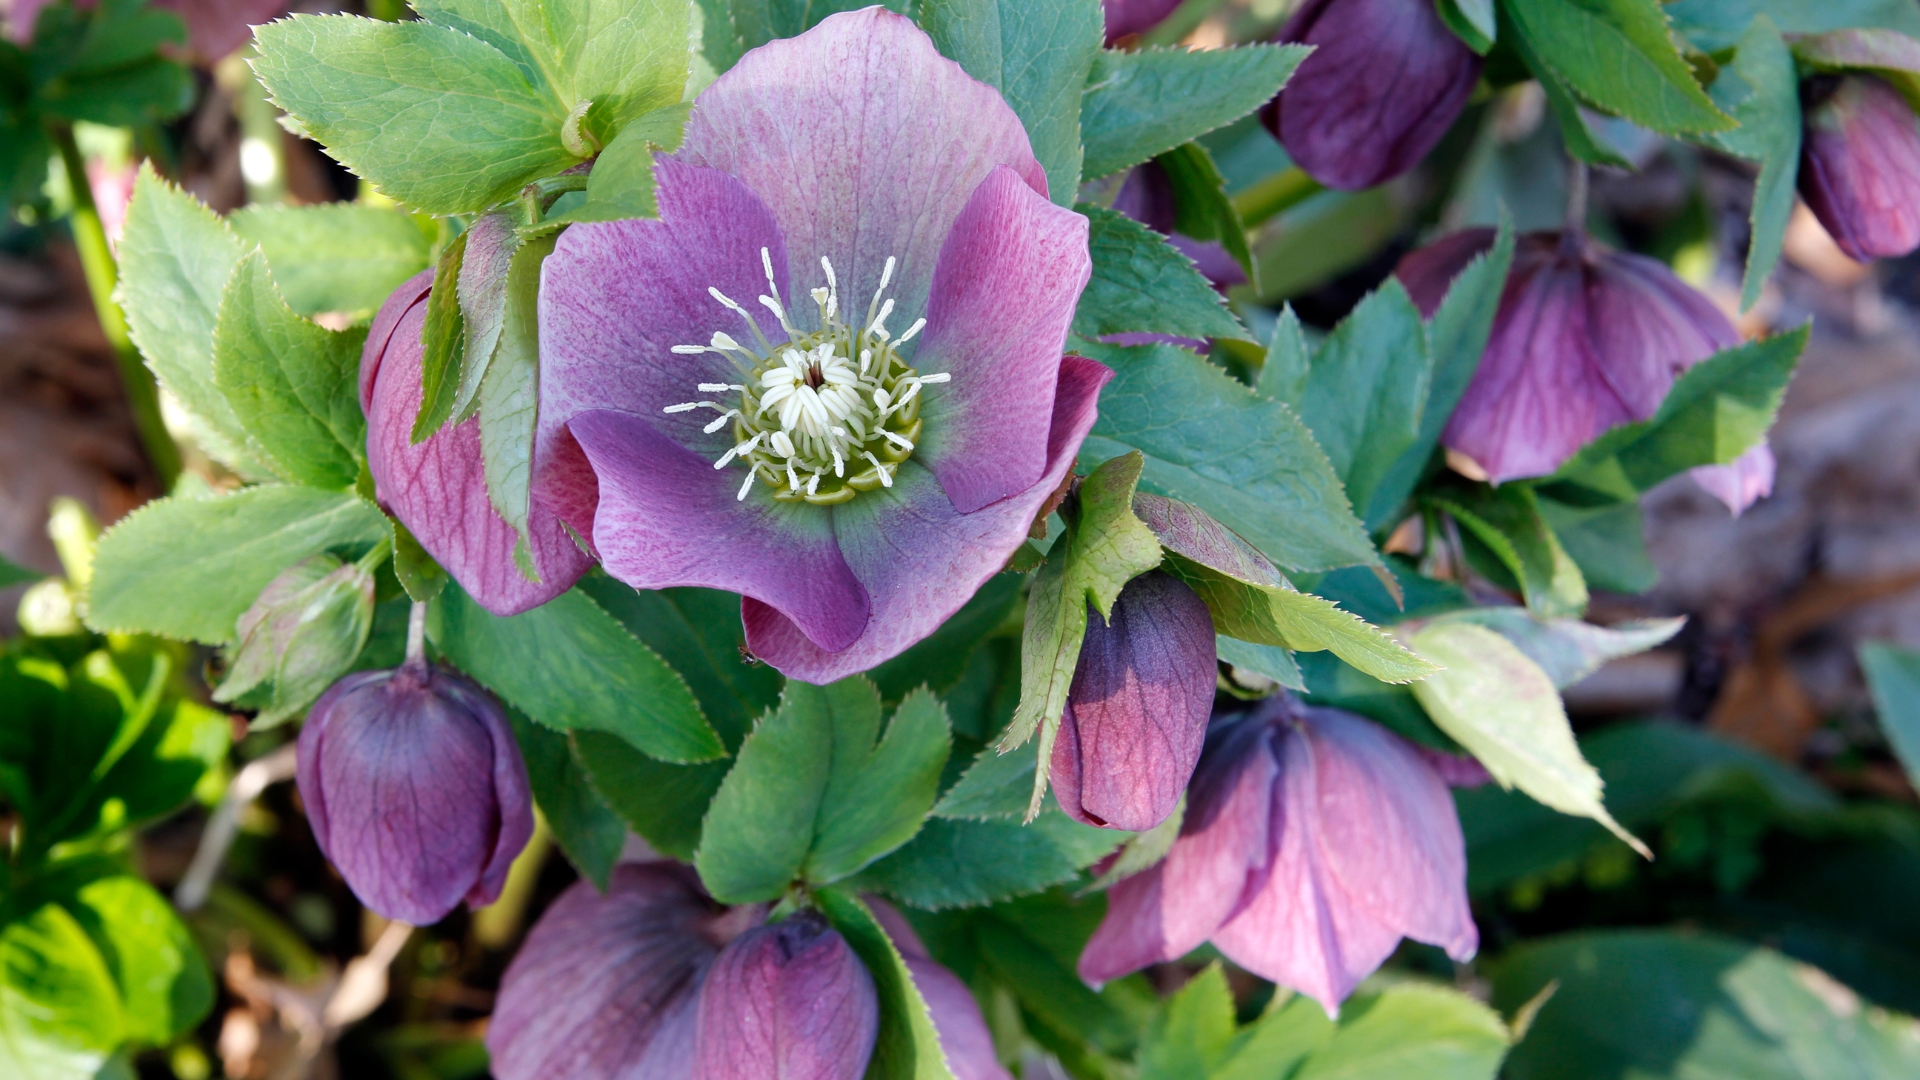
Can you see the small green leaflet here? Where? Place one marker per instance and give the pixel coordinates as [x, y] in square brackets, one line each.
[1569, 650]
[335, 257]
[621, 185]
[490, 245]
[1105, 547]
[1143, 284]
[1192, 1034]
[590, 833]
[1201, 208]
[1605, 541]
[187, 568]
[954, 863]
[1507, 520]
[908, 1045]
[1761, 89]
[509, 393]
[1142, 104]
[1619, 55]
[443, 341]
[663, 803]
[1506, 711]
[1412, 1029]
[816, 792]
[1472, 21]
[1893, 674]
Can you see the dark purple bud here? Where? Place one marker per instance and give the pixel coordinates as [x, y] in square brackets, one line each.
[789, 1000]
[415, 789]
[1136, 713]
[607, 987]
[1585, 339]
[964, 1036]
[1860, 164]
[1147, 197]
[1385, 82]
[1129, 17]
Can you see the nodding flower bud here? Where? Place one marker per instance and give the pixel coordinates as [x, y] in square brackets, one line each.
[1136, 714]
[787, 1000]
[1128, 18]
[1385, 82]
[303, 632]
[1585, 339]
[1860, 164]
[415, 789]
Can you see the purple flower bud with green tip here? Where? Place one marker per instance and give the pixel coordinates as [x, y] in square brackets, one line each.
[964, 1036]
[1127, 18]
[830, 376]
[1585, 339]
[790, 1001]
[1137, 711]
[1313, 842]
[1385, 82]
[438, 489]
[1860, 164]
[303, 632]
[415, 790]
[607, 986]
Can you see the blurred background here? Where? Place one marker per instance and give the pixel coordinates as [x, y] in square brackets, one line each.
[1746, 751]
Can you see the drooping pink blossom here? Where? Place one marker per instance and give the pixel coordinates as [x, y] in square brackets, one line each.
[830, 376]
[1860, 164]
[1313, 842]
[438, 489]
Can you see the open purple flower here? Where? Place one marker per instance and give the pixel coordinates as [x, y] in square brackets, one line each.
[1860, 164]
[787, 1000]
[415, 790]
[1385, 82]
[1136, 714]
[1313, 842]
[438, 489]
[1586, 338]
[829, 377]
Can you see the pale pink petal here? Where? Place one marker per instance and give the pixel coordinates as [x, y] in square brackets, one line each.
[1741, 482]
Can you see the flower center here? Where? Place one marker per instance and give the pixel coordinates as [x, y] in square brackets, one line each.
[827, 415]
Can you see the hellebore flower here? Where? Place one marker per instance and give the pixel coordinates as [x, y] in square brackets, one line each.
[1585, 339]
[1126, 18]
[1860, 164]
[607, 987]
[438, 489]
[964, 1036]
[724, 400]
[1313, 842]
[1136, 714]
[1147, 197]
[1385, 82]
[415, 790]
[787, 1000]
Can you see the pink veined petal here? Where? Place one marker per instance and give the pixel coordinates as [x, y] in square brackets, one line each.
[1428, 272]
[1003, 295]
[787, 1001]
[919, 559]
[1649, 327]
[1165, 911]
[616, 297]
[668, 518]
[1389, 835]
[866, 143]
[964, 1037]
[438, 489]
[1741, 482]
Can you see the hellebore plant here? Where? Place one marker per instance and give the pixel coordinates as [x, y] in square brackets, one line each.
[727, 398]
[1313, 842]
[1385, 82]
[1586, 338]
[1860, 164]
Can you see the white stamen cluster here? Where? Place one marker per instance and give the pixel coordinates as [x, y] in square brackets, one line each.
[826, 415]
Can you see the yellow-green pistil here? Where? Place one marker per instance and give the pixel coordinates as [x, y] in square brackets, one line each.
[830, 413]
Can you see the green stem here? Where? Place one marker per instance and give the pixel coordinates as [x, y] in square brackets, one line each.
[1275, 196]
[96, 259]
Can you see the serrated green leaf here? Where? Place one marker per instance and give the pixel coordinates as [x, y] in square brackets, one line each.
[164, 986]
[1142, 104]
[59, 1009]
[1141, 283]
[1276, 1043]
[1412, 1030]
[187, 568]
[1472, 21]
[509, 394]
[967, 863]
[588, 830]
[1619, 55]
[293, 385]
[1506, 711]
[1569, 650]
[486, 261]
[434, 117]
[1245, 459]
[876, 799]
[940, 659]
[1271, 661]
[621, 185]
[995, 785]
[1201, 207]
[1283, 377]
[662, 802]
[344, 258]
[1715, 412]
[1507, 520]
[907, 1046]
[1576, 136]
[443, 346]
[1038, 54]
[1366, 396]
[571, 666]
[1761, 89]
[1192, 1035]
[1606, 541]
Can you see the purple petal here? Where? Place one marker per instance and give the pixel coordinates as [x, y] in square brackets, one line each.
[956, 1014]
[1455, 770]
[1385, 82]
[788, 1001]
[1164, 912]
[1003, 295]
[1860, 165]
[630, 963]
[668, 518]
[438, 489]
[415, 790]
[1741, 482]
[1428, 272]
[1649, 327]
[1137, 712]
[1192, 533]
[920, 559]
[1126, 17]
[616, 297]
[865, 142]
[1147, 197]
